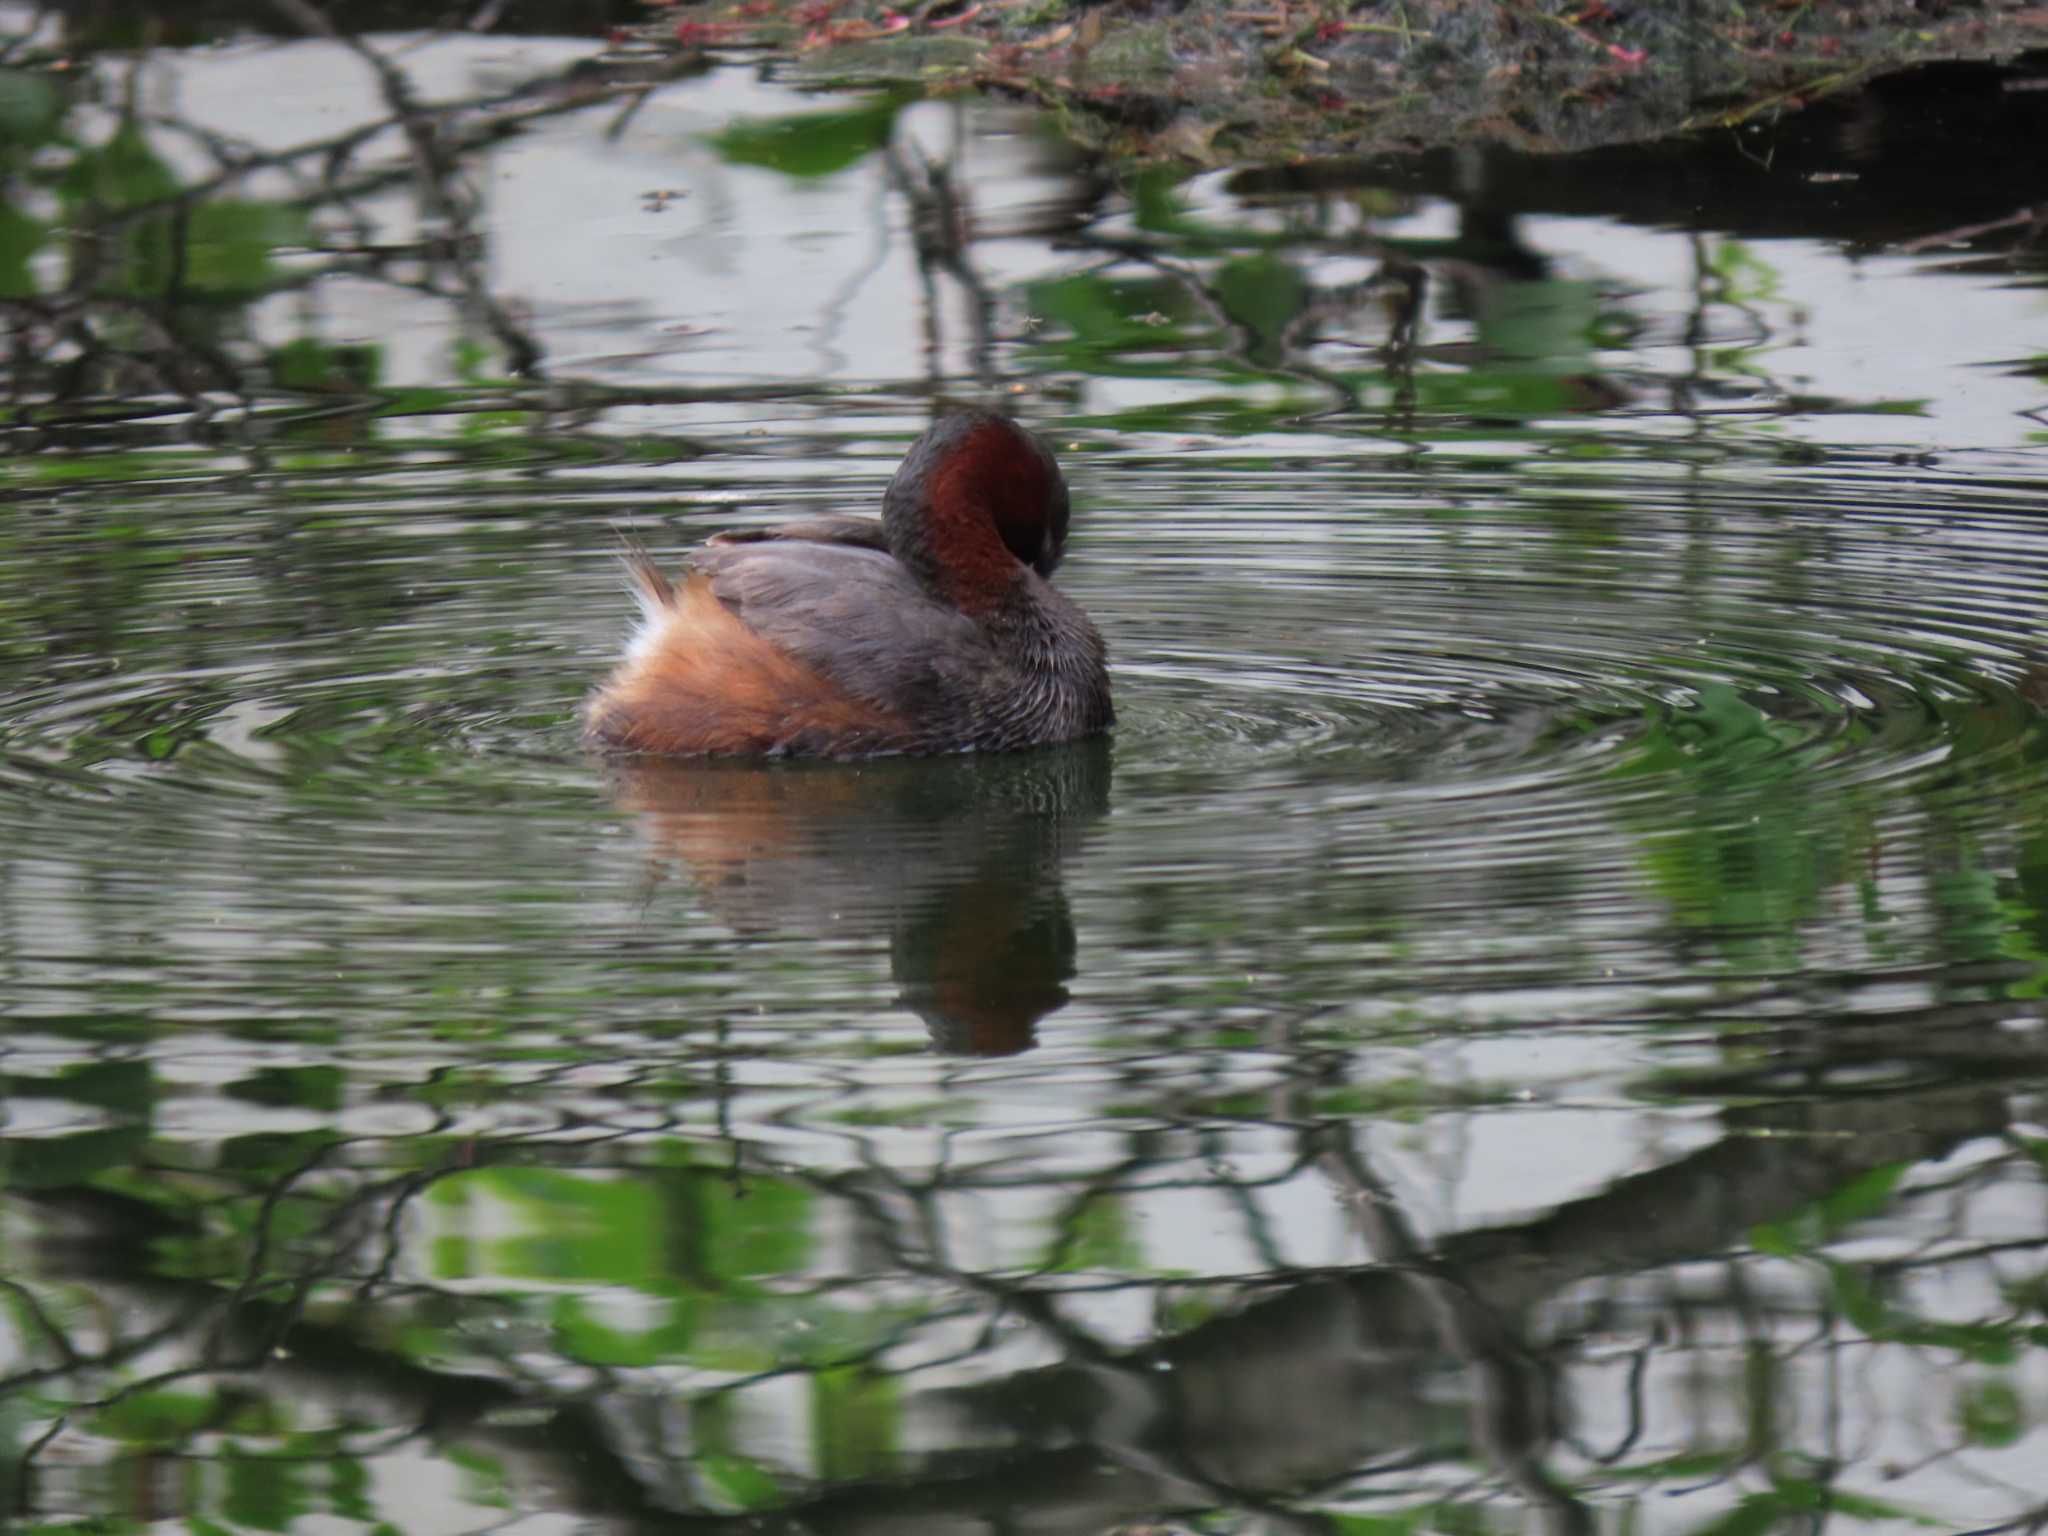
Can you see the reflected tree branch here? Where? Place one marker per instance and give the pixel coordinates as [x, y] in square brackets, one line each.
[2032, 219]
[1182, 1420]
[940, 233]
[439, 186]
[1514, 1401]
[100, 337]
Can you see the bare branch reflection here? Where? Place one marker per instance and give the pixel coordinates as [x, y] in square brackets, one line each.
[1289, 1389]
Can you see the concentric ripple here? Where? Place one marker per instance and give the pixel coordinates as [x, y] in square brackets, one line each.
[1568, 638]
[1558, 710]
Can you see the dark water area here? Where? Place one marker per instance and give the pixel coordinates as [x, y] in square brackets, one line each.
[1534, 1021]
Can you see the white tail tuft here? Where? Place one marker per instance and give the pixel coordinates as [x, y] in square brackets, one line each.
[655, 594]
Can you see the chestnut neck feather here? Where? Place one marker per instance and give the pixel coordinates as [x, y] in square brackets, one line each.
[972, 508]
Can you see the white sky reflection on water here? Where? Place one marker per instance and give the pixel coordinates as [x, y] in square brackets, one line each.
[1519, 807]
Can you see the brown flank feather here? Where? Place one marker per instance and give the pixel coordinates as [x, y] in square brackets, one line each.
[704, 683]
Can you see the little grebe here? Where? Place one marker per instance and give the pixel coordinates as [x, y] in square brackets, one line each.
[933, 630]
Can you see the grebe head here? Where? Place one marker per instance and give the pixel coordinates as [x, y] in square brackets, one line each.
[976, 501]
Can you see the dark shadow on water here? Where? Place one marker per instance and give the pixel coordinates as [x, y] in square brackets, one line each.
[1944, 152]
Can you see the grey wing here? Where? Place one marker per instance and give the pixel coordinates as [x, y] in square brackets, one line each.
[862, 532]
[853, 614]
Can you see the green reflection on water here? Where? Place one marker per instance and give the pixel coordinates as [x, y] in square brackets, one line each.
[1540, 993]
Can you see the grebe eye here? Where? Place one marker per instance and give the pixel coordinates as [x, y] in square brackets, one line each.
[1029, 501]
[1054, 543]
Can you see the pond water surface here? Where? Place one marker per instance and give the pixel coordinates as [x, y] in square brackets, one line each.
[1533, 1021]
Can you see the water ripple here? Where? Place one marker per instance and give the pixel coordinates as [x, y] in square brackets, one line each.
[313, 724]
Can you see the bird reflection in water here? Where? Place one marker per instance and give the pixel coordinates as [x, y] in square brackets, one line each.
[957, 859]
